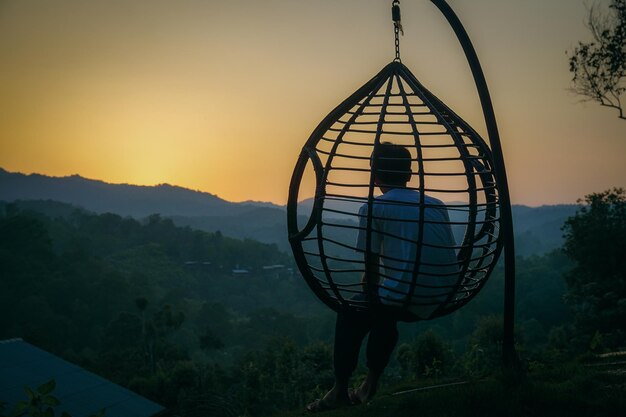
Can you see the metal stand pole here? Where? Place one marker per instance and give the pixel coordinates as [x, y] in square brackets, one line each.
[509, 355]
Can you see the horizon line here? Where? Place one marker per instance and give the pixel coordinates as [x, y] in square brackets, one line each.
[247, 201]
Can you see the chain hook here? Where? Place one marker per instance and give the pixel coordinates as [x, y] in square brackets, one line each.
[397, 26]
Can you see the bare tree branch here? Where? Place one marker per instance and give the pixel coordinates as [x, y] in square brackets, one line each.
[599, 67]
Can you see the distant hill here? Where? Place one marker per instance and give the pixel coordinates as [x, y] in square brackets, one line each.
[124, 199]
[265, 224]
[537, 229]
[49, 208]
[260, 221]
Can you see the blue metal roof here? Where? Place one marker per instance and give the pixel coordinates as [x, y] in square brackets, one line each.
[81, 392]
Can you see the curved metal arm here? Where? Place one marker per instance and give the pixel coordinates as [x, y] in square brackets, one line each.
[509, 355]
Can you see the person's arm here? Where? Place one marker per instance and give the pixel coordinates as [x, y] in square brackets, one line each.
[372, 266]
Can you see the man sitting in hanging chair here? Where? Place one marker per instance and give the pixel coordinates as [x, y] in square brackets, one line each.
[400, 257]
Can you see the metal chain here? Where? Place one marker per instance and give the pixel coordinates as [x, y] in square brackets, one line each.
[397, 31]
[397, 26]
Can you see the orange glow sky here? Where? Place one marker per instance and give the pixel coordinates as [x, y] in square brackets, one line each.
[220, 96]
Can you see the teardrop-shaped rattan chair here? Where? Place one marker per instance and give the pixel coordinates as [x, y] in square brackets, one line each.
[449, 162]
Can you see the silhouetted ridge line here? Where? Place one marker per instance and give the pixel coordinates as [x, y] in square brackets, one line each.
[538, 229]
[124, 199]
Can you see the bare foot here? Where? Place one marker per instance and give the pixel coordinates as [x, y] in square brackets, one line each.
[333, 399]
[365, 392]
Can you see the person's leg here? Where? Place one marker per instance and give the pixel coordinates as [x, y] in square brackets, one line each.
[380, 345]
[382, 341]
[350, 330]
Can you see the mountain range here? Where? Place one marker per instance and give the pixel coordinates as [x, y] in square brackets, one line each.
[537, 229]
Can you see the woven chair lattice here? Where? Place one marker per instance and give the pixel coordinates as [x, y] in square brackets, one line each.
[450, 161]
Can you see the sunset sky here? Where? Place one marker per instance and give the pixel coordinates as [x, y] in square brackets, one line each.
[220, 96]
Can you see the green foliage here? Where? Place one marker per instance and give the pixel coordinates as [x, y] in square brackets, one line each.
[100, 289]
[595, 239]
[166, 383]
[540, 287]
[209, 340]
[283, 374]
[484, 354]
[142, 342]
[599, 67]
[215, 324]
[40, 403]
[565, 391]
[428, 355]
[65, 279]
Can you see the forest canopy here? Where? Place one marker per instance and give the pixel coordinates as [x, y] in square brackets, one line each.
[198, 321]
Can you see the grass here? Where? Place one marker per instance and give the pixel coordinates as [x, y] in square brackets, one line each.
[571, 390]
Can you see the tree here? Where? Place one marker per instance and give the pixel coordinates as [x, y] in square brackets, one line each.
[483, 355]
[599, 67]
[595, 238]
[428, 355]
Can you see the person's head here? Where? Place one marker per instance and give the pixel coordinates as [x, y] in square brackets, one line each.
[392, 165]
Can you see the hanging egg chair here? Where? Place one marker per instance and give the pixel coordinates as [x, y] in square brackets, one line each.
[457, 178]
